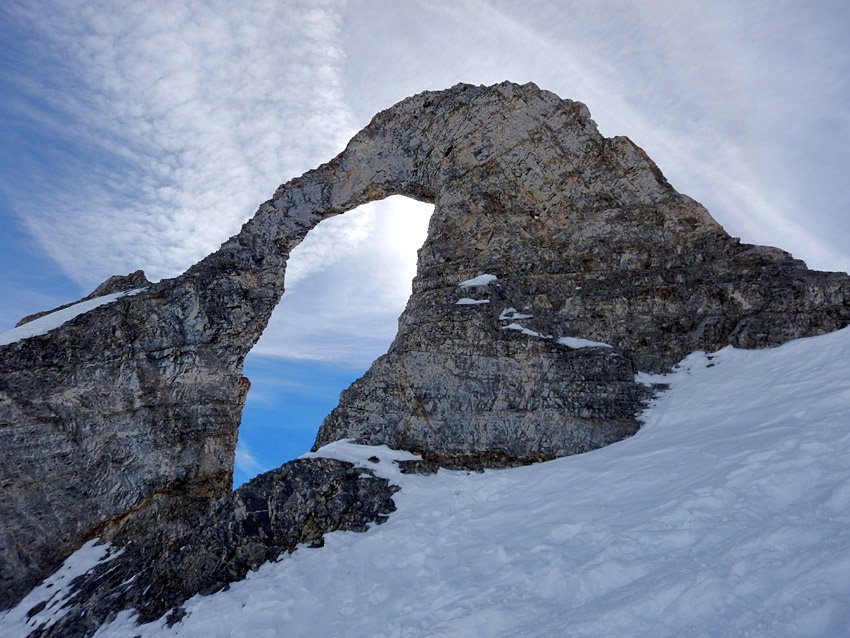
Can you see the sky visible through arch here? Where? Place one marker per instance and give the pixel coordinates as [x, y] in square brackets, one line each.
[142, 135]
[346, 285]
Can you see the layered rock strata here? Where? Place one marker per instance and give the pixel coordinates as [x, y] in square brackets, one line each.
[131, 410]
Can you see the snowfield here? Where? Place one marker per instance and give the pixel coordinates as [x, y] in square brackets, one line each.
[728, 514]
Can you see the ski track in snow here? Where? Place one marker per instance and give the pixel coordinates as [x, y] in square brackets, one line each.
[728, 514]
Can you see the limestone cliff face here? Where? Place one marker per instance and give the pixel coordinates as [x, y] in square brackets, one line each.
[129, 412]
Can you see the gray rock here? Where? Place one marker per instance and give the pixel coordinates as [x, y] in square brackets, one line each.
[132, 409]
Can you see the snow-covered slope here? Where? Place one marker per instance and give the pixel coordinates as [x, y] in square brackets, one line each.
[728, 514]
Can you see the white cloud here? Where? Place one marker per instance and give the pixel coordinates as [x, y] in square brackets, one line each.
[245, 462]
[190, 114]
[334, 239]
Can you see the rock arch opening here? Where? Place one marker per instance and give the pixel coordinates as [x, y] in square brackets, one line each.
[346, 285]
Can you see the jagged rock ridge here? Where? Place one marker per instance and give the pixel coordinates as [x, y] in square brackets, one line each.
[129, 413]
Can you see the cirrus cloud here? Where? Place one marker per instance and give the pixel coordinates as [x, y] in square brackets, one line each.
[170, 122]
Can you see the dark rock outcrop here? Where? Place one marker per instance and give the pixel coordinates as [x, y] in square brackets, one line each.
[116, 283]
[131, 410]
[271, 515]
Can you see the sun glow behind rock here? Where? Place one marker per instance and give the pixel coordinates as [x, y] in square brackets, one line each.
[346, 285]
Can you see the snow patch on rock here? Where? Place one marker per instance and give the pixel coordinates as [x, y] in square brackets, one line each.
[570, 342]
[525, 331]
[382, 460]
[50, 595]
[577, 342]
[480, 280]
[511, 314]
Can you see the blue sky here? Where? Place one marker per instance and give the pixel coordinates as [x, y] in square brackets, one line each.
[141, 135]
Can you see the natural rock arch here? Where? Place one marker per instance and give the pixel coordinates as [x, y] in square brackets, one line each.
[129, 413]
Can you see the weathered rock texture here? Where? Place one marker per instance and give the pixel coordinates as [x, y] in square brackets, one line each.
[131, 410]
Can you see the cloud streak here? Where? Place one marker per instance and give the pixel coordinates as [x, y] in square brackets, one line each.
[182, 118]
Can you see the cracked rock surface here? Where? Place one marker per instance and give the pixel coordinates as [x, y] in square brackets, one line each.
[130, 412]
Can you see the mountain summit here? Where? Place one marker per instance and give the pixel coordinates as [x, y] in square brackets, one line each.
[559, 265]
